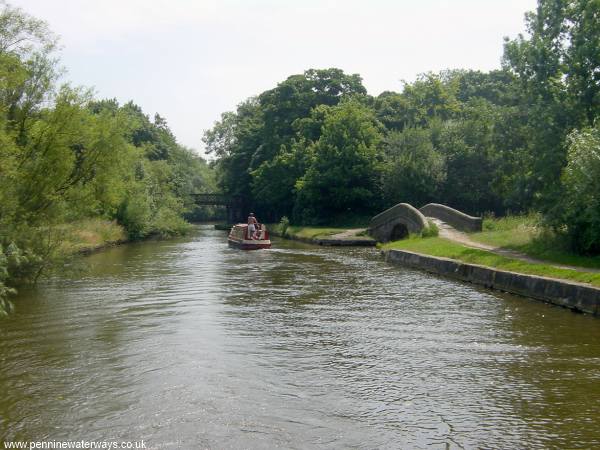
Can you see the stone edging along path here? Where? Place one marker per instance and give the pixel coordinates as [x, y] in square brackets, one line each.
[572, 295]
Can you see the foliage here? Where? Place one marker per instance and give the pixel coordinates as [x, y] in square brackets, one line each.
[284, 224]
[342, 174]
[526, 234]
[413, 169]
[479, 142]
[472, 159]
[274, 182]
[432, 230]
[511, 222]
[579, 208]
[260, 147]
[92, 233]
[66, 157]
[557, 69]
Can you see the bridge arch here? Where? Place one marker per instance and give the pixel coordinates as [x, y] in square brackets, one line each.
[397, 222]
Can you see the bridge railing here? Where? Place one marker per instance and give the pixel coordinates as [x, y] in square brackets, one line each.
[453, 217]
[216, 199]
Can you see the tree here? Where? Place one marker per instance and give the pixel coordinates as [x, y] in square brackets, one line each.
[557, 68]
[413, 170]
[235, 140]
[31, 70]
[392, 110]
[344, 170]
[248, 141]
[579, 207]
[274, 182]
[293, 99]
[431, 96]
[472, 159]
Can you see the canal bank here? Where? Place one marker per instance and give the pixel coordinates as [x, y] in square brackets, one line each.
[576, 296]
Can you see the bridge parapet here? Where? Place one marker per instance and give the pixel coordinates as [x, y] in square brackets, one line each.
[396, 222]
[452, 217]
[216, 199]
[233, 203]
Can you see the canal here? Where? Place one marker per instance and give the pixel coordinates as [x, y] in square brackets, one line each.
[189, 344]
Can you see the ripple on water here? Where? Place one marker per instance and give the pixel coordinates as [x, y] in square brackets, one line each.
[190, 343]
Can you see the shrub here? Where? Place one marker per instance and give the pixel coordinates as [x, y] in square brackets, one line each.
[284, 224]
[579, 208]
[431, 231]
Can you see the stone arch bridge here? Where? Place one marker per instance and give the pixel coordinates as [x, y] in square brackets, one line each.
[400, 220]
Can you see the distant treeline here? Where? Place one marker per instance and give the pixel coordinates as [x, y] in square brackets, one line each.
[65, 156]
[522, 137]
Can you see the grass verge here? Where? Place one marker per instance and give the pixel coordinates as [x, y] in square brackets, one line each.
[91, 234]
[525, 235]
[447, 249]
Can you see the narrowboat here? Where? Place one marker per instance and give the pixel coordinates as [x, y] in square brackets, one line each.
[239, 238]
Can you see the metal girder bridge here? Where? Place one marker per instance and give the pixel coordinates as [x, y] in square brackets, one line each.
[232, 203]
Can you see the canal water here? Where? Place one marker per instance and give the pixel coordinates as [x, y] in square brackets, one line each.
[189, 344]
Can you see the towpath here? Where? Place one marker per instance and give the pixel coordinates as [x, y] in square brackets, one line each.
[350, 234]
[452, 234]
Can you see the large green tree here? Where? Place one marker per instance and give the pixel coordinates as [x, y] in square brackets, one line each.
[255, 140]
[413, 170]
[65, 157]
[294, 98]
[557, 67]
[579, 206]
[344, 171]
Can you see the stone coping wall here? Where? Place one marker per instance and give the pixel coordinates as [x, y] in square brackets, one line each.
[575, 296]
[453, 217]
[382, 224]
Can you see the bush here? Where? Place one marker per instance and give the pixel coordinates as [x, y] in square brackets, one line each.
[579, 208]
[431, 231]
[168, 222]
[134, 214]
[284, 224]
[5, 305]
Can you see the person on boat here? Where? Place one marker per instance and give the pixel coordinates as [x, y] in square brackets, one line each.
[252, 226]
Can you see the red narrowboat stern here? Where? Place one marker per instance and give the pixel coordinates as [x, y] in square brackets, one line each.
[239, 237]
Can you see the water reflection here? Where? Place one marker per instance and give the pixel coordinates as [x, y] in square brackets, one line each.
[188, 343]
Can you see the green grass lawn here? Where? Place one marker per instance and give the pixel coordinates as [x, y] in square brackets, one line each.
[444, 248]
[505, 231]
[524, 234]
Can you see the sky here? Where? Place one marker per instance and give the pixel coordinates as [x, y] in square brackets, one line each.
[191, 60]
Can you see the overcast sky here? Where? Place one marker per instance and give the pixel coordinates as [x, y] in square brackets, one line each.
[191, 60]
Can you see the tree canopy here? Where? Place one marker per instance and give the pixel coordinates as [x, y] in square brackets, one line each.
[66, 156]
[317, 145]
